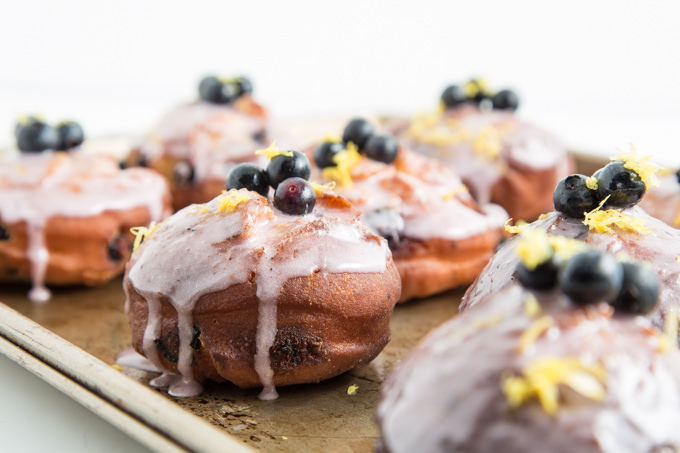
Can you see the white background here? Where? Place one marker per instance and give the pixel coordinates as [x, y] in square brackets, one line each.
[601, 74]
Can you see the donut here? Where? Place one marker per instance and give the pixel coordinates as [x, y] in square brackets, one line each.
[535, 371]
[260, 293]
[195, 145]
[617, 225]
[500, 158]
[65, 217]
[439, 236]
[663, 201]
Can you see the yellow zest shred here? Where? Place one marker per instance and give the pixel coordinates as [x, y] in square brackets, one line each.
[669, 338]
[272, 151]
[345, 161]
[141, 233]
[460, 189]
[543, 376]
[332, 139]
[475, 86]
[591, 183]
[229, 201]
[488, 321]
[426, 128]
[352, 389]
[321, 188]
[531, 306]
[517, 228]
[533, 248]
[601, 221]
[535, 330]
[487, 143]
[565, 247]
[640, 165]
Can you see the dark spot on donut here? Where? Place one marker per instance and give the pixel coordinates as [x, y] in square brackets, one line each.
[165, 350]
[183, 173]
[119, 248]
[195, 340]
[293, 347]
[4, 234]
[260, 136]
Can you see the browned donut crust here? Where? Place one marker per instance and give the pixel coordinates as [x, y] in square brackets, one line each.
[82, 250]
[326, 324]
[436, 265]
[527, 193]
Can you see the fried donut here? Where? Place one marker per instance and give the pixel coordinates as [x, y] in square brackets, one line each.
[439, 236]
[532, 371]
[196, 144]
[65, 217]
[499, 157]
[237, 290]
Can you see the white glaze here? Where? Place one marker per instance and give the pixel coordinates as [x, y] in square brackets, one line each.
[212, 137]
[182, 261]
[36, 187]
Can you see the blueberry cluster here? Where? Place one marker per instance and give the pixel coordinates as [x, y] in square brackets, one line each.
[593, 276]
[578, 194]
[219, 90]
[382, 148]
[476, 92]
[287, 173]
[34, 135]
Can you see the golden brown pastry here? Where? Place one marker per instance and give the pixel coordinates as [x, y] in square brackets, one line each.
[238, 290]
[65, 217]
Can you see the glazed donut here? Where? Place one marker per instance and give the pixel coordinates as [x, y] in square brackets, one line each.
[530, 371]
[439, 236]
[500, 158]
[195, 145]
[65, 217]
[236, 289]
[619, 228]
[663, 201]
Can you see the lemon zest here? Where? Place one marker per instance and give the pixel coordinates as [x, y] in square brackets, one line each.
[591, 183]
[669, 337]
[321, 188]
[533, 248]
[601, 221]
[535, 330]
[425, 128]
[543, 216]
[646, 170]
[473, 87]
[531, 306]
[272, 151]
[487, 143]
[543, 376]
[229, 201]
[141, 233]
[517, 228]
[352, 389]
[332, 139]
[488, 321]
[345, 161]
[452, 193]
[565, 247]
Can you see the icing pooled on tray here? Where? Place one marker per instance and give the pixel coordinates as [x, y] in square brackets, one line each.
[235, 237]
[37, 187]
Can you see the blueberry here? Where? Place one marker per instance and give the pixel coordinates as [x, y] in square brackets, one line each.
[639, 291]
[542, 277]
[677, 175]
[70, 135]
[260, 136]
[573, 198]
[248, 176]
[282, 167]
[212, 89]
[244, 85]
[358, 132]
[478, 87]
[382, 148]
[590, 277]
[36, 136]
[23, 122]
[118, 249]
[453, 96]
[295, 196]
[324, 153]
[505, 100]
[624, 185]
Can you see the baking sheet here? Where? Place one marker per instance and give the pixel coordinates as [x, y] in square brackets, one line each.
[305, 418]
